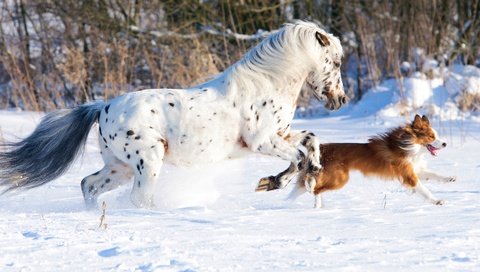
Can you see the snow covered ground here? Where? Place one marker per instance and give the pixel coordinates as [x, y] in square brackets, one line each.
[212, 220]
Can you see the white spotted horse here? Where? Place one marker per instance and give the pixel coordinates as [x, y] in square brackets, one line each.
[248, 106]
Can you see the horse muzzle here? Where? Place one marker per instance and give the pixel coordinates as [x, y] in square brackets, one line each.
[336, 103]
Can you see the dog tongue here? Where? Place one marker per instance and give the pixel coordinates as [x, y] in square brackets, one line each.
[432, 150]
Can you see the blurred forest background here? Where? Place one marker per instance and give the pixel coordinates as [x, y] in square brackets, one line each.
[58, 53]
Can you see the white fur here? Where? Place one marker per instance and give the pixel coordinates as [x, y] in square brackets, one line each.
[251, 103]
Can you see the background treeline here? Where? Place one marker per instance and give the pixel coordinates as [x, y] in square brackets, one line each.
[57, 53]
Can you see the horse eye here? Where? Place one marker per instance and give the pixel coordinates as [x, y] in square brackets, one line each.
[337, 64]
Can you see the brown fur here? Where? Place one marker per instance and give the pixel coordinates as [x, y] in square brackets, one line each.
[386, 156]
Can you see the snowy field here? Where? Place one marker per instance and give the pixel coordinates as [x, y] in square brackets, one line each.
[211, 219]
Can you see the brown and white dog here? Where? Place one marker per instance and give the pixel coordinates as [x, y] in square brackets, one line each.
[397, 154]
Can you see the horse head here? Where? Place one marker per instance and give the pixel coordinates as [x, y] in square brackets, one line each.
[325, 79]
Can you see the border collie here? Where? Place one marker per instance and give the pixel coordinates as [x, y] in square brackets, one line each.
[397, 154]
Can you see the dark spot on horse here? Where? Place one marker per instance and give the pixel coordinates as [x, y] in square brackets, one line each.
[214, 113]
[264, 103]
[171, 105]
[198, 115]
[150, 127]
[96, 173]
[124, 149]
[137, 151]
[204, 90]
[203, 150]
[100, 130]
[128, 156]
[190, 108]
[152, 146]
[90, 189]
[184, 135]
[141, 161]
[271, 101]
[191, 98]
[130, 132]
[274, 146]
[106, 108]
[257, 117]
[153, 111]
[303, 131]
[137, 137]
[251, 107]
[138, 168]
[210, 141]
[279, 120]
[138, 183]
[126, 144]
[234, 105]
[107, 180]
[104, 140]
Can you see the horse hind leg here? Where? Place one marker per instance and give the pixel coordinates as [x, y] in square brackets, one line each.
[114, 174]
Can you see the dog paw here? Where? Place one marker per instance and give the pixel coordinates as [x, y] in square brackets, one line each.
[439, 202]
[451, 179]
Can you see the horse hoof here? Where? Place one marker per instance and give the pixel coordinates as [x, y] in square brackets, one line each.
[265, 184]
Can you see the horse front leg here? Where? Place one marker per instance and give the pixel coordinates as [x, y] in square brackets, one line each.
[288, 148]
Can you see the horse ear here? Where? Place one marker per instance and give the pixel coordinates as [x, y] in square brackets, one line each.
[322, 39]
[425, 119]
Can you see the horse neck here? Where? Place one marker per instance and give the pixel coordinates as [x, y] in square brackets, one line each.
[276, 67]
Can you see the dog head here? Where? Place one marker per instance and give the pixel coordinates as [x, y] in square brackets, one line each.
[425, 136]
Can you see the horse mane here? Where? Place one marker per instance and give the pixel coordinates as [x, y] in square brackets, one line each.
[266, 62]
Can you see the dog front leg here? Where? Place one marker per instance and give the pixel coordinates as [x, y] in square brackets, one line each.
[423, 191]
[410, 179]
[427, 175]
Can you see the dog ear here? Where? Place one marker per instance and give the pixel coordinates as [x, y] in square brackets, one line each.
[322, 39]
[417, 121]
[425, 119]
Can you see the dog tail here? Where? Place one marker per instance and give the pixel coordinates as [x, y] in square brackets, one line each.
[50, 150]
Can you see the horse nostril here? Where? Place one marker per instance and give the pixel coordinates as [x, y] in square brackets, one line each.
[444, 144]
[343, 100]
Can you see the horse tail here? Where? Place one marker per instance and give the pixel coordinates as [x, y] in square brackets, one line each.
[50, 150]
